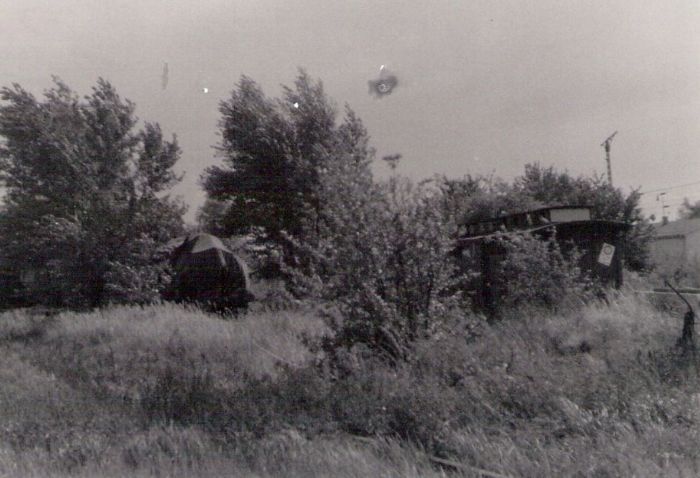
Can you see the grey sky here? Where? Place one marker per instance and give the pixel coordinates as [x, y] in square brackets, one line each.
[486, 86]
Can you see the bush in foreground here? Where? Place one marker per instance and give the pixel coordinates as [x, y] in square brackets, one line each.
[537, 272]
[381, 261]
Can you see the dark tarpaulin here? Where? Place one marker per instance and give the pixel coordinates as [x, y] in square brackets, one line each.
[206, 270]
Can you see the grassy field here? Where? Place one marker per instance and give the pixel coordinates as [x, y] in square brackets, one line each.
[170, 391]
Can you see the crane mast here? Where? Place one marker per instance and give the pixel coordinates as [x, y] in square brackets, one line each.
[606, 144]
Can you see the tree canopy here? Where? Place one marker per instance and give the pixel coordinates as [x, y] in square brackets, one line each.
[689, 210]
[275, 152]
[86, 204]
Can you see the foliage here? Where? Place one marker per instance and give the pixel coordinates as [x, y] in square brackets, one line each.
[381, 257]
[478, 198]
[689, 210]
[536, 272]
[554, 188]
[210, 216]
[274, 151]
[85, 204]
[162, 389]
[140, 276]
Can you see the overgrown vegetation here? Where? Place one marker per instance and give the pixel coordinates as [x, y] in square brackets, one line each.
[145, 391]
[378, 252]
[537, 272]
[363, 356]
[476, 198]
[383, 265]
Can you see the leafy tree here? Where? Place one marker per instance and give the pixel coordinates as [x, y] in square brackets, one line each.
[86, 208]
[477, 198]
[274, 153]
[689, 210]
[212, 215]
[553, 188]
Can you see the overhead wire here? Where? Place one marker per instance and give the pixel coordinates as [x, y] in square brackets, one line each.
[671, 197]
[669, 200]
[670, 187]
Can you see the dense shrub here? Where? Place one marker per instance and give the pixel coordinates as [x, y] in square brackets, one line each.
[381, 258]
[536, 272]
[141, 278]
[480, 198]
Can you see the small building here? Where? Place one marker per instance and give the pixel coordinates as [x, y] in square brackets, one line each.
[676, 246]
[600, 242]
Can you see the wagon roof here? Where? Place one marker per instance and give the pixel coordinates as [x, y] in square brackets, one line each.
[616, 226]
[530, 211]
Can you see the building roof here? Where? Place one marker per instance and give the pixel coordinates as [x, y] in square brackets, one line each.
[680, 227]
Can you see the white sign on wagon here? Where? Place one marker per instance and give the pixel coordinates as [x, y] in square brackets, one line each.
[606, 254]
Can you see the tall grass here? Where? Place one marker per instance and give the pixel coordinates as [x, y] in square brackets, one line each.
[122, 349]
[596, 390]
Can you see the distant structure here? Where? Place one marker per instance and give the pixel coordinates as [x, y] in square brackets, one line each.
[661, 197]
[601, 243]
[164, 77]
[606, 145]
[676, 246]
[392, 160]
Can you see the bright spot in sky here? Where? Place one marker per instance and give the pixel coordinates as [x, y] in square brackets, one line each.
[296, 105]
[205, 90]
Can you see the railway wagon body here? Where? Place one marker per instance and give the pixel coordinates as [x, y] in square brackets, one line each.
[601, 244]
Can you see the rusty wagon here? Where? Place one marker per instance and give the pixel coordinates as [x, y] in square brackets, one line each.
[600, 242]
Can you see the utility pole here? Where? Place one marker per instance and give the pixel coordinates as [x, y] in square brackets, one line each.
[661, 197]
[606, 144]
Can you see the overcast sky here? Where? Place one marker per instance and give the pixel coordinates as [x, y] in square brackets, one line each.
[486, 86]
